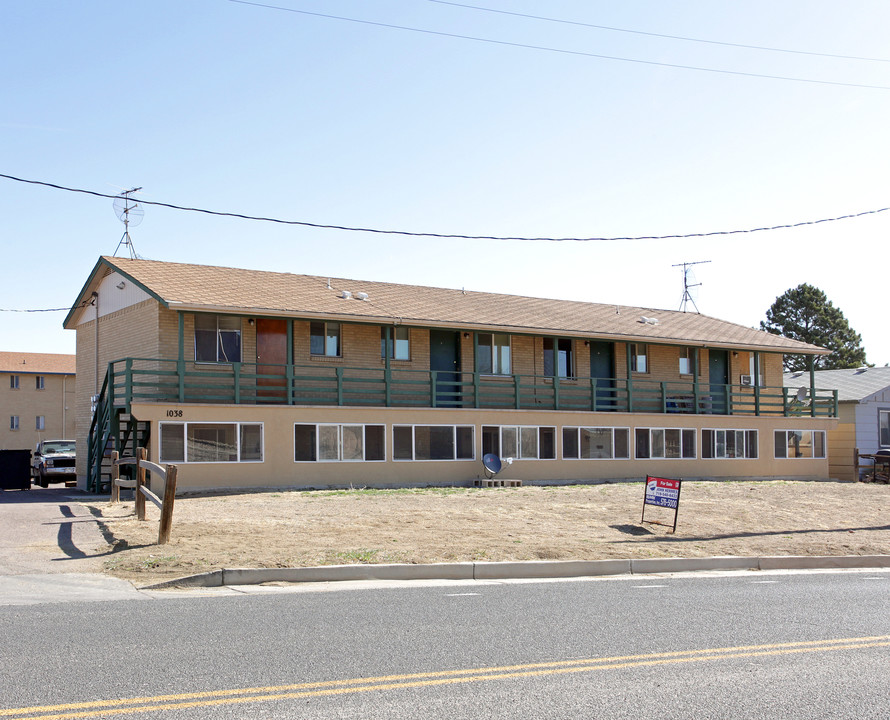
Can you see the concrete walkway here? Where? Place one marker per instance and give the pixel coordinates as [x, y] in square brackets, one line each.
[52, 550]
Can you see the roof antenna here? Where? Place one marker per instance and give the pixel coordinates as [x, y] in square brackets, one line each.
[687, 285]
[129, 212]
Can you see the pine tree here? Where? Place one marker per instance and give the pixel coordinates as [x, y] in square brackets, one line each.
[805, 313]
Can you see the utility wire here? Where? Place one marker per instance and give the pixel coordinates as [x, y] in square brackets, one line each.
[448, 235]
[659, 35]
[562, 51]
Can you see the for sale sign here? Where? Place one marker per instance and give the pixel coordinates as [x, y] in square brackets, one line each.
[662, 492]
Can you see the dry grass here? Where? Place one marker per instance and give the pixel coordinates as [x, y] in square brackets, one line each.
[589, 522]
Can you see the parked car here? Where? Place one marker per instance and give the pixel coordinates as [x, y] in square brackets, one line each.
[54, 461]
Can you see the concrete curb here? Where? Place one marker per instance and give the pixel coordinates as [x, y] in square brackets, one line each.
[542, 569]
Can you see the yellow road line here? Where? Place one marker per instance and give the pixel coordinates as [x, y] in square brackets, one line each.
[120, 706]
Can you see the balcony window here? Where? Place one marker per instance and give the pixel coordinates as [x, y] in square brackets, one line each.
[217, 338]
[324, 339]
[639, 357]
[493, 354]
[558, 358]
[687, 361]
[399, 342]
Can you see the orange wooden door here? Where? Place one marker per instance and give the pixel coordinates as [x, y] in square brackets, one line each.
[271, 359]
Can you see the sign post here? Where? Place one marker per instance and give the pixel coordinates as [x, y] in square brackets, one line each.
[662, 492]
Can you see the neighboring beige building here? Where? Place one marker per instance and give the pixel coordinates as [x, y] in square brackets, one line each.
[37, 398]
[263, 379]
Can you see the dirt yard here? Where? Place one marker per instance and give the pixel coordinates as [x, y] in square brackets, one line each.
[590, 522]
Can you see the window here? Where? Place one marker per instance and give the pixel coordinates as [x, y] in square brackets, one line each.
[884, 428]
[526, 443]
[725, 444]
[558, 358]
[400, 347]
[800, 443]
[433, 442]
[14, 422]
[13, 382]
[40, 423]
[667, 443]
[324, 339]
[639, 353]
[589, 443]
[211, 442]
[338, 443]
[493, 354]
[217, 338]
[40, 382]
[687, 361]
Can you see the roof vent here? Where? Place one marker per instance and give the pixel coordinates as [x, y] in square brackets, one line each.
[361, 296]
[346, 295]
[648, 320]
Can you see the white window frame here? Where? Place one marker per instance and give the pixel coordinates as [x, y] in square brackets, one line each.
[399, 347]
[13, 422]
[219, 343]
[185, 446]
[554, 352]
[326, 337]
[714, 444]
[653, 434]
[339, 427]
[687, 356]
[812, 443]
[883, 427]
[497, 359]
[454, 429]
[577, 431]
[639, 358]
[13, 382]
[40, 382]
[40, 422]
[520, 446]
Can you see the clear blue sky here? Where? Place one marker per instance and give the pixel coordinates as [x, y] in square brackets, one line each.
[246, 109]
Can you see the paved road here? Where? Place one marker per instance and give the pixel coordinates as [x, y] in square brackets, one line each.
[51, 549]
[742, 645]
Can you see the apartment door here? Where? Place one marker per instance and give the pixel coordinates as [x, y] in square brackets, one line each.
[271, 359]
[445, 360]
[718, 377]
[602, 367]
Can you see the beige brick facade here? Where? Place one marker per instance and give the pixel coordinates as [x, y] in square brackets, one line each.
[35, 404]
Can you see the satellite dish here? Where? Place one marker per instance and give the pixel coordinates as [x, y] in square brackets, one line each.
[492, 465]
[801, 394]
[128, 211]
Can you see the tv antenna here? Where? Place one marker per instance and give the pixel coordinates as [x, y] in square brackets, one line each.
[129, 212]
[688, 283]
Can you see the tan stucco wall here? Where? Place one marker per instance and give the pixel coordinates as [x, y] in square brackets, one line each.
[55, 403]
[278, 468]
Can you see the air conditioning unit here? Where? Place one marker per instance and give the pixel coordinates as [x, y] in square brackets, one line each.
[746, 380]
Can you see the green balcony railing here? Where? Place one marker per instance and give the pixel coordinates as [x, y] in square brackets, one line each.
[322, 383]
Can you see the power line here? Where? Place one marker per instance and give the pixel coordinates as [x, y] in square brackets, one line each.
[453, 236]
[659, 35]
[561, 51]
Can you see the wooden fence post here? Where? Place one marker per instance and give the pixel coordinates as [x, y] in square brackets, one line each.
[166, 523]
[855, 464]
[115, 476]
[140, 481]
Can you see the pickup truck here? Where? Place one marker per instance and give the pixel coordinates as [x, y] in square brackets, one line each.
[54, 461]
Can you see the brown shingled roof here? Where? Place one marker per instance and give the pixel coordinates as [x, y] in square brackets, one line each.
[209, 288]
[42, 363]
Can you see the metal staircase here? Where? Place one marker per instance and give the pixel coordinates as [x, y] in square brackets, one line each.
[112, 428]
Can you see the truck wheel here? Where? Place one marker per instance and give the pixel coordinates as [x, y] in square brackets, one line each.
[43, 482]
